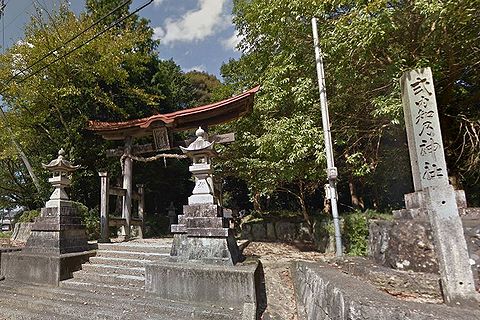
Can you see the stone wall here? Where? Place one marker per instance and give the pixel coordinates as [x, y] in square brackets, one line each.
[22, 231]
[275, 231]
[5, 250]
[324, 293]
[289, 231]
[407, 244]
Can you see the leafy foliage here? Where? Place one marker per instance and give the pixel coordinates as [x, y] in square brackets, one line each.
[367, 46]
[27, 216]
[90, 219]
[116, 77]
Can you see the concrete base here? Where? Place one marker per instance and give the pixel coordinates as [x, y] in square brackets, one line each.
[325, 293]
[47, 269]
[416, 205]
[219, 251]
[239, 286]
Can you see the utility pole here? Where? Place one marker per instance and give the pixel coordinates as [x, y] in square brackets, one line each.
[2, 16]
[331, 187]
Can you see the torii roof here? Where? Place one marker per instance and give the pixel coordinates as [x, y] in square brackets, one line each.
[211, 114]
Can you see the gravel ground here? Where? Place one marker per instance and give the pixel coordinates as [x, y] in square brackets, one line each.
[276, 258]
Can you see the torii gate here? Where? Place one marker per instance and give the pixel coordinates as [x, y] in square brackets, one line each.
[161, 127]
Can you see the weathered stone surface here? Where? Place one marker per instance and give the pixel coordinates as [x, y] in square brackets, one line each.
[259, 231]
[235, 286]
[456, 272]
[56, 247]
[202, 210]
[208, 232]
[22, 231]
[286, 231]
[57, 230]
[393, 243]
[41, 268]
[404, 245]
[223, 251]
[416, 206]
[430, 180]
[205, 222]
[271, 234]
[20, 301]
[422, 285]
[247, 231]
[327, 293]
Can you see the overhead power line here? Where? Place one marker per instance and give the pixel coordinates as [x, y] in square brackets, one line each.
[112, 25]
[53, 51]
[117, 22]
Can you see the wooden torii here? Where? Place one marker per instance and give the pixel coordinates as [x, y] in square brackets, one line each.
[161, 128]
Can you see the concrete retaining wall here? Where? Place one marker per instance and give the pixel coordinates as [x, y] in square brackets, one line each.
[324, 293]
[238, 287]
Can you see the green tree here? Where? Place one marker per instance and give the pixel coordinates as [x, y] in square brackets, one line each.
[112, 78]
[367, 46]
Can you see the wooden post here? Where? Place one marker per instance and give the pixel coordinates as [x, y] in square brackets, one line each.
[104, 186]
[127, 185]
[141, 207]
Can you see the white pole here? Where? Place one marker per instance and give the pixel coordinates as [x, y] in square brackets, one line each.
[331, 169]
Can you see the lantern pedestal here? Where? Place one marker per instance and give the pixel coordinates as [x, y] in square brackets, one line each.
[58, 244]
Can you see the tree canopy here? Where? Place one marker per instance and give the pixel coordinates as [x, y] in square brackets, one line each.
[367, 45]
[115, 77]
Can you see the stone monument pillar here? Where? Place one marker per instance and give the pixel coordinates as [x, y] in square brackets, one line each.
[58, 243]
[434, 196]
[202, 233]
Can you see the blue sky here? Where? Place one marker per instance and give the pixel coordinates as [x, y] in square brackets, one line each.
[197, 34]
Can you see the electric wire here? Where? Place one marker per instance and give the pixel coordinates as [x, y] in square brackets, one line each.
[112, 25]
[53, 51]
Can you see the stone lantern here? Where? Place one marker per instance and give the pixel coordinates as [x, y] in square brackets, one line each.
[60, 168]
[201, 152]
[202, 233]
[58, 244]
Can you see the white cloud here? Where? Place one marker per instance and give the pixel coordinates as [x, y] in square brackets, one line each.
[158, 33]
[232, 42]
[201, 68]
[195, 24]
[158, 2]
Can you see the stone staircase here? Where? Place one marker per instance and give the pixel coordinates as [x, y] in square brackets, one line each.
[110, 286]
[118, 266]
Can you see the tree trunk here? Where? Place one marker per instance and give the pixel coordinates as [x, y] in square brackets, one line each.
[257, 206]
[357, 202]
[303, 206]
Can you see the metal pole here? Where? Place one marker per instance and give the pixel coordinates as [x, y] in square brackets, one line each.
[331, 169]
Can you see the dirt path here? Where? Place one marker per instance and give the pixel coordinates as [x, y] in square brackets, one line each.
[276, 259]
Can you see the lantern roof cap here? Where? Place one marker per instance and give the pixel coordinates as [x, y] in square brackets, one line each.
[60, 164]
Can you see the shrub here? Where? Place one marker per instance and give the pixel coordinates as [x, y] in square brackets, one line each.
[91, 220]
[5, 235]
[355, 230]
[27, 216]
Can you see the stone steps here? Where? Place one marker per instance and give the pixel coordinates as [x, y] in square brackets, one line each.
[131, 263]
[35, 302]
[131, 255]
[119, 280]
[118, 267]
[160, 248]
[24, 304]
[108, 269]
[107, 289]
